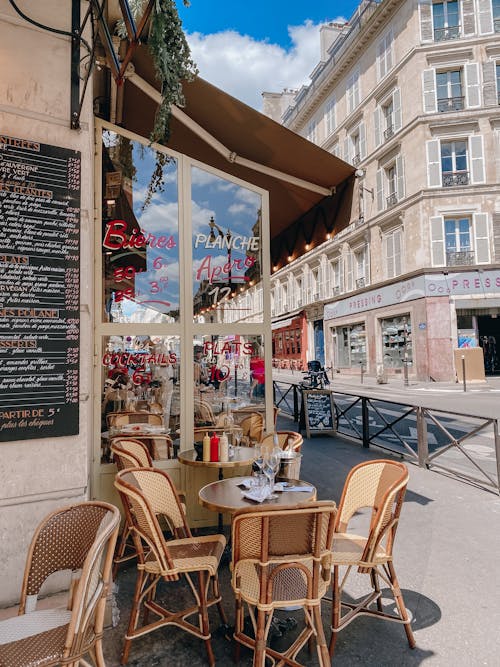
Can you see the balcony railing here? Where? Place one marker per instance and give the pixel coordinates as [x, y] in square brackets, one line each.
[389, 132]
[460, 258]
[451, 178]
[450, 104]
[356, 159]
[392, 199]
[336, 291]
[443, 34]
[496, 24]
[360, 282]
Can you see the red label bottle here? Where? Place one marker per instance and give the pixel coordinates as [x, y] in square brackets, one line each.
[214, 447]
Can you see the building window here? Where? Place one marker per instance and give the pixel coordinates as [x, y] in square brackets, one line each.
[390, 184]
[458, 241]
[497, 72]
[496, 14]
[396, 341]
[454, 163]
[385, 58]
[360, 261]
[312, 132]
[353, 93]
[393, 254]
[355, 149]
[446, 20]
[388, 112]
[351, 346]
[330, 116]
[391, 180]
[449, 90]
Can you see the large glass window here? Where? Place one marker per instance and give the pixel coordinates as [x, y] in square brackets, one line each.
[458, 241]
[140, 233]
[397, 346]
[351, 346]
[449, 90]
[227, 248]
[141, 393]
[454, 163]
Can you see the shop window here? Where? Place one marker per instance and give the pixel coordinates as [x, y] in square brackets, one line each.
[140, 239]
[140, 392]
[298, 340]
[351, 346]
[397, 346]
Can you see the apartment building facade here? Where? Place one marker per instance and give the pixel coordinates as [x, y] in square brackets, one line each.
[409, 93]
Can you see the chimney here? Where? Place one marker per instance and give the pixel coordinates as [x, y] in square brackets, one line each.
[328, 33]
[275, 104]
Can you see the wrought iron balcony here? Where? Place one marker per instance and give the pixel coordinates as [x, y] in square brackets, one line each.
[451, 178]
[389, 132]
[356, 159]
[360, 282]
[336, 291]
[450, 104]
[443, 34]
[460, 258]
[392, 199]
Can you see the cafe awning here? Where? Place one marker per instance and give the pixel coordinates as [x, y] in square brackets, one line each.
[310, 189]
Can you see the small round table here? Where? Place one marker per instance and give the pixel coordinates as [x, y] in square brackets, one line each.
[225, 495]
[242, 456]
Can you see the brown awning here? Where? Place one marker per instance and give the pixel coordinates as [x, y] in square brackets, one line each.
[255, 138]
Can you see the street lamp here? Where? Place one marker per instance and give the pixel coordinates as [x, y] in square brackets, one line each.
[214, 227]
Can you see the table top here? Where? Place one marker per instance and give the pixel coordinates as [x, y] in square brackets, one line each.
[242, 456]
[225, 496]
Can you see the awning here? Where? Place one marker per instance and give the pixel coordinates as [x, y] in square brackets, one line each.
[225, 133]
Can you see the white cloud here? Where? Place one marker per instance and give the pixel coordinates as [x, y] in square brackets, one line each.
[244, 67]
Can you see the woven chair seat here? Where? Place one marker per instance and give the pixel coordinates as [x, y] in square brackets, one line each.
[190, 555]
[35, 649]
[289, 589]
[348, 549]
[19, 627]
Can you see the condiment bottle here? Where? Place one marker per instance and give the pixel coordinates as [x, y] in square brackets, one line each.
[214, 447]
[224, 448]
[206, 447]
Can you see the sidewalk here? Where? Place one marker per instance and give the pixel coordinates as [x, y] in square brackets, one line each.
[446, 557]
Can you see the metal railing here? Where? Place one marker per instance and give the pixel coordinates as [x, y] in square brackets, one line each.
[360, 282]
[460, 258]
[450, 104]
[389, 132]
[392, 199]
[465, 446]
[451, 178]
[496, 24]
[356, 159]
[443, 34]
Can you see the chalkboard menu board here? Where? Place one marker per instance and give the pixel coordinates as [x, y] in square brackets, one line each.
[319, 411]
[39, 289]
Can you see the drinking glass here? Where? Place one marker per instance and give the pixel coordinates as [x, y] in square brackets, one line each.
[258, 464]
[271, 467]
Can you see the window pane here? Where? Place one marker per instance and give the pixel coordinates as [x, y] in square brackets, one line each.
[140, 236]
[396, 341]
[226, 248]
[438, 14]
[141, 392]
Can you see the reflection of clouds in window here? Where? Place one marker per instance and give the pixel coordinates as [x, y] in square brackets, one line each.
[250, 197]
[200, 217]
[201, 178]
[235, 209]
[161, 218]
[215, 260]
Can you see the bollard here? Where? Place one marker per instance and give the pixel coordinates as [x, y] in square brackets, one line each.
[463, 373]
[405, 369]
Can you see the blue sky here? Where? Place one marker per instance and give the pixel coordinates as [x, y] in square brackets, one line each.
[246, 48]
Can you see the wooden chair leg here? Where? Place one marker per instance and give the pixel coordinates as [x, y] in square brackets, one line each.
[203, 613]
[398, 597]
[259, 655]
[134, 615]
[335, 609]
[120, 551]
[376, 587]
[216, 594]
[323, 655]
[238, 628]
[99, 656]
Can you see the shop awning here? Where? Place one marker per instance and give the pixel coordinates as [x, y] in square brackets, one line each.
[225, 133]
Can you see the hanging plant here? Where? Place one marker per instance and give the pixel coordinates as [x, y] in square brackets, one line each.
[173, 65]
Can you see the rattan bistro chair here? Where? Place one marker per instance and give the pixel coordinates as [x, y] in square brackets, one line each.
[286, 440]
[79, 538]
[147, 495]
[380, 486]
[282, 557]
[253, 428]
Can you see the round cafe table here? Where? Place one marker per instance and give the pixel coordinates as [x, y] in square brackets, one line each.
[226, 495]
[242, 456]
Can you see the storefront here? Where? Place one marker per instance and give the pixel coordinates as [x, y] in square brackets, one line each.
[416, 323]
[290, 342]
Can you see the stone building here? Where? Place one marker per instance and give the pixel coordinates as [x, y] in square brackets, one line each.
[408, 93]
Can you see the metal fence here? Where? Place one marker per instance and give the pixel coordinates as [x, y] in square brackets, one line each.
[465, 446]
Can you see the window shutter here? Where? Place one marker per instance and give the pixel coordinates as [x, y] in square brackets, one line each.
[397, 115]
[473, 95]
[400, 178]
[347, 157]
[485, 17]
[490, 92]
[380, 61]
[429, 88]
[362, 140]
[389, 255]
[328, 278]
[496, 236]
[350, 272]
[468, 18]
[481, 238]
[437, 241]
[380, 189]
[398, 259]
[341, 274]
[425, 11]
[477, 159]
[433, 164]
[378, 126]
[389, 58]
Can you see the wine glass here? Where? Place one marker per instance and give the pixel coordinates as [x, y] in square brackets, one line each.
[271, 467]
[258, 464]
